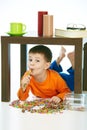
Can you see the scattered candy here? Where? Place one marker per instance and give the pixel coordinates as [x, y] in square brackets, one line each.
[38, 106]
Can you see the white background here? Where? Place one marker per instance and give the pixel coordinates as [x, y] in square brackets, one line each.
[25, 11]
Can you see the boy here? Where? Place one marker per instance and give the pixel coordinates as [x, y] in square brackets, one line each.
[42, 81]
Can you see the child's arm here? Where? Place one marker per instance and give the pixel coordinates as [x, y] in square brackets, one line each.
[25, 80]
[23, 91]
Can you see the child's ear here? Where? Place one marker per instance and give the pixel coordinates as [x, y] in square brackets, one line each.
[47, 65]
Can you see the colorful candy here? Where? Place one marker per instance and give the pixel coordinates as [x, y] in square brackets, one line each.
[38, 106]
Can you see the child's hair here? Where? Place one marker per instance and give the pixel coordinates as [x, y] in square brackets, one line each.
[42, 50]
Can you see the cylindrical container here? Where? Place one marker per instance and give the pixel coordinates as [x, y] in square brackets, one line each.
[47, 25]
[40, 22]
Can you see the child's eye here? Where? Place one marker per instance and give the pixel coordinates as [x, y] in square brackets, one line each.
[37, 60]
[30, 59]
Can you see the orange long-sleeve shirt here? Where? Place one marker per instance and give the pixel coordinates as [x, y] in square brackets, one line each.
[54, 85]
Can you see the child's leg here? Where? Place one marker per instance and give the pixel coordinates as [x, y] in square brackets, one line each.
[55, 65]
[61, 55]
[71, 58]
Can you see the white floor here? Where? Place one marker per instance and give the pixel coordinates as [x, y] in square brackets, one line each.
[13, 119]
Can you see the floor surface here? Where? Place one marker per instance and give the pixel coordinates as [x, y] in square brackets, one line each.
[13, 119]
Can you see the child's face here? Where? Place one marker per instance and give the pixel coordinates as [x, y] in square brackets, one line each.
[37, 64]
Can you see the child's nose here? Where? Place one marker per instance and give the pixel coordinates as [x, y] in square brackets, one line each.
[32, 63]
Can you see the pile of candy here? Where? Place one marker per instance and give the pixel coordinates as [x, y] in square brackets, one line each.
[38, 106]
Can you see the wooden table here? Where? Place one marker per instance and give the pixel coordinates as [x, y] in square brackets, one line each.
[85, 68]
[23, 41]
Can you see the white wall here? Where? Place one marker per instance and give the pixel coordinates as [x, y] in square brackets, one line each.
[25, 11]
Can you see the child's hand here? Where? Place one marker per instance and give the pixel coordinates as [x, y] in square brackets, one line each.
[24, 82]
[55, 99]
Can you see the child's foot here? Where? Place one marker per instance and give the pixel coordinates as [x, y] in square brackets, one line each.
[71, 58]
[61, 55]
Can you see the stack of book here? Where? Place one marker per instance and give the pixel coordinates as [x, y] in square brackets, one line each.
[71, 33]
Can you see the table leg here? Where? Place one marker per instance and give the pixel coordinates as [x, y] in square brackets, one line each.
[5, 72]
[23, 59]
[85, 69]
[78, 69]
